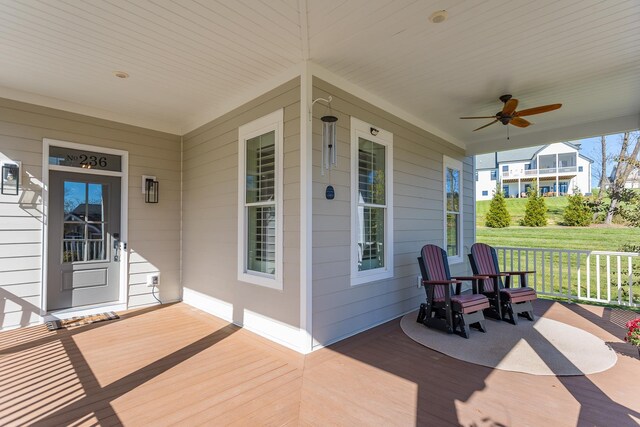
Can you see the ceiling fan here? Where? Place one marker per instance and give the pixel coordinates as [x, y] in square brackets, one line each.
[509, 115]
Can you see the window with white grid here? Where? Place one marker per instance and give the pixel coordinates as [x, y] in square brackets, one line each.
[452, 189]
[260, 205]
[371, 218]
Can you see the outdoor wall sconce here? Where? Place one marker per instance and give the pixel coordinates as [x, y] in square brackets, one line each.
[10, 179]
[374, 131]
[150, 189]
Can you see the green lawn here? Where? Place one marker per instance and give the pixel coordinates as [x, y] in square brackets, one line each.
[555, 206]
[594, 238]
[550, 279]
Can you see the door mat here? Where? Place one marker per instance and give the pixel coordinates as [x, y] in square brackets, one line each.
[81, 320]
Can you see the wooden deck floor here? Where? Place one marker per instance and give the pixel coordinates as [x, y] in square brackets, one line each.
[175, 365]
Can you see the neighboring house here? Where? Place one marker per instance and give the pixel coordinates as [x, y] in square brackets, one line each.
[556, 169]
[632, 181]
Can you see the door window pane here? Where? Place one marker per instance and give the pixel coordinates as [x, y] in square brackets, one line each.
[95, 207]
[73, 250]
[96, 250]
[75, 199]
[73, 231]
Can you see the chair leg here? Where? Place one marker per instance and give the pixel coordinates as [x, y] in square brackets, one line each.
[422, 313]
[481, 326]
[513, 318]
[464, 327]
[449, 320]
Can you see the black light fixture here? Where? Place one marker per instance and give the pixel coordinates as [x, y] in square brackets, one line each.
[373, 131]
[151, 189]
[10, 182]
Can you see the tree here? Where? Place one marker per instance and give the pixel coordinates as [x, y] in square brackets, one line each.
[498, 215]
[535, 213]
[604, 179]
[627, 161]
[577, 213]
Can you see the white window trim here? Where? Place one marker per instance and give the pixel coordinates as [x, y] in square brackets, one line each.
[271, 122]
[363, 129]
[448, 162]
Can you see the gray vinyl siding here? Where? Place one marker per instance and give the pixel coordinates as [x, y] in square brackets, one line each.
[154, 230]
[340, 310]
[210, 210]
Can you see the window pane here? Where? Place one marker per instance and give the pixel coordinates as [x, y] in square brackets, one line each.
[371, 172]
[260, 167]
[452, 234]
[95, 250]
[370, 238]
[453, 190]
[261, 230]
[75, 199]
[72, 251]
[96, 206]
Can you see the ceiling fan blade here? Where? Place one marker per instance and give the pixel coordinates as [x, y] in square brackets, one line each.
[509, 107]
[488, 124]
[479, 117]
[537, 110]
[519, 122]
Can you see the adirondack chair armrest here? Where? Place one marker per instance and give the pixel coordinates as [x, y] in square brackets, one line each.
[474, 282]
[523, 277]
[440, 282]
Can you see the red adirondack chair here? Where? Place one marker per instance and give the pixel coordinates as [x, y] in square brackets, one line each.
[505, 300]
[455, 309]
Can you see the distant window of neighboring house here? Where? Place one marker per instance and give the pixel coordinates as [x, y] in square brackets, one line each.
[580, 169]
[494, 175]
[260, 201]
[505, 168]
[371, 203]
[527, 166]
[485, 192]
[453, 208]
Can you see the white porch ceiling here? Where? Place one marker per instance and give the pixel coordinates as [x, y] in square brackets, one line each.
[190, 61]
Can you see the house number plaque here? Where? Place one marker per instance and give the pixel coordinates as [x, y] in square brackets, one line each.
[70, 157]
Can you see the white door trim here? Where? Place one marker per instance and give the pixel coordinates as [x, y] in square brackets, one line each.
[124, 209]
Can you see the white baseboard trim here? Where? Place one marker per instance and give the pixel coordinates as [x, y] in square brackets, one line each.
[318, 346]
[271, 329]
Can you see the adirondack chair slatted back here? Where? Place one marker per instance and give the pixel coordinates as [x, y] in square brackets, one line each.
[434, 266]
[484, 260]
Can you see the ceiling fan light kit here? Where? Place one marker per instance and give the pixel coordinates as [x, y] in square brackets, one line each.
[509, 116]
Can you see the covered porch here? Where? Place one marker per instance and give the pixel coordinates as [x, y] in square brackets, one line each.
[174, 365]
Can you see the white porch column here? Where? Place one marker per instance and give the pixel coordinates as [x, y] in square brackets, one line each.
[557, 184]
[519, 189]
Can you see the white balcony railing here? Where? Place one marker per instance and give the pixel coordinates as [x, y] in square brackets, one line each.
[543, 171]
[578, 275]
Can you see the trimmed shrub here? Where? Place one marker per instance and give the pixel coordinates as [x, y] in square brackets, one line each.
[577, 213]
[535, 212]
[498, 215]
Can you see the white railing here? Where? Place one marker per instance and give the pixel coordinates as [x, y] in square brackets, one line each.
[567, 169]
[546, 170]
[578, 275]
